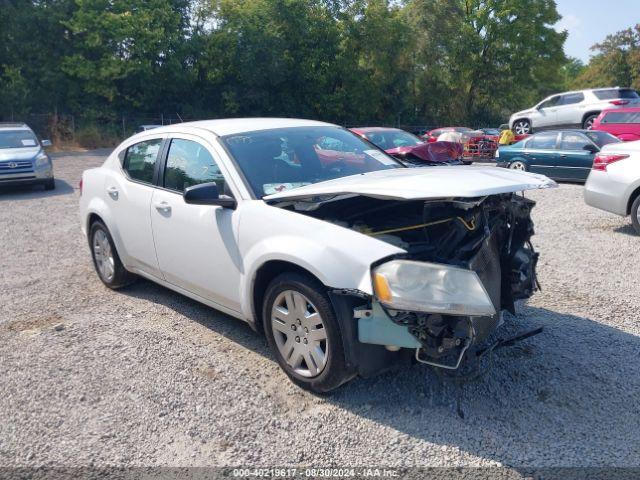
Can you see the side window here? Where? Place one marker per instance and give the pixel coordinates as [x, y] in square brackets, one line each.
[552, 102]
[140, 160]
[543, 141]
[621, 117]
[573, 141]
[188, 164]
[571, 99]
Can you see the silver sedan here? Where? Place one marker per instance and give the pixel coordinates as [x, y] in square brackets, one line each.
[614, 182]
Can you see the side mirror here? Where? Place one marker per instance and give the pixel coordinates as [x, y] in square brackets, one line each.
[46, 143]
[591, 148]
[207, 194]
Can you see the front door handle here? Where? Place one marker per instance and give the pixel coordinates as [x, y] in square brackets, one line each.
[113, 192]
[162, 207]
[563, 156]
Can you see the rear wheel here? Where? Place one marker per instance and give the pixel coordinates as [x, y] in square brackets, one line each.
[106, 259]
[635, 214]
[303, 332]
[522, 127]
[518, 166]
[588, 122]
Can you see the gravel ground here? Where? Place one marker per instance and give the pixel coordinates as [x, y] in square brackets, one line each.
[147, 377]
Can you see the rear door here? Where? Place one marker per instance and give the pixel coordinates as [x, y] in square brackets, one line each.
[128, 195]
[575, 162]
[570, 109]
[542, 154]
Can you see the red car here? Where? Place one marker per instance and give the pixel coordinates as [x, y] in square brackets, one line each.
[477, 144]
[407, 147]
[623, 123]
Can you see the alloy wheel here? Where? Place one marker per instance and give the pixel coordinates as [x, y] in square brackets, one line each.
[299, 333]
[518, 166]
[589, 123]
[103, 255]
[522, 127]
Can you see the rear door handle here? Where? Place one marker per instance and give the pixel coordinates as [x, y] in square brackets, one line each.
[563, 156]
[113, 192]
[163, 207]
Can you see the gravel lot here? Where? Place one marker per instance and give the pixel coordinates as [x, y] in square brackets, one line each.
[147, 377]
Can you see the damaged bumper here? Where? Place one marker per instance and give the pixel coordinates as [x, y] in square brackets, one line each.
[449, 317]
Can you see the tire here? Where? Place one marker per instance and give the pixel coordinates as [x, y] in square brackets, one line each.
[106, 259]
[50, 184]
[635, 214]
[297, 300]
[518, 165]
[588, 122]
[466, 162]
[522, 127]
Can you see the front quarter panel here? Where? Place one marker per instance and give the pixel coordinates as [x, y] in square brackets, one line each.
[337, 256]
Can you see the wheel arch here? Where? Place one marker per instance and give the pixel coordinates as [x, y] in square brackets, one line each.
[263, 276]
[588, 114]
[635, 194]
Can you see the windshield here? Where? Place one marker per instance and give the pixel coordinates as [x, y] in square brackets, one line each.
[17, 139]
[388, 139]
[276, 160]
[614, 93]
[601, 138]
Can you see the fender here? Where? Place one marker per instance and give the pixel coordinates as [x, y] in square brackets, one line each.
[339, 257]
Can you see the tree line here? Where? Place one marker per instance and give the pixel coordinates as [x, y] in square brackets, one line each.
[349, 61]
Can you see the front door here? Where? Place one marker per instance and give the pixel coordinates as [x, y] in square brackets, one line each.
[575, 162]
[196, 244]
[547, 113]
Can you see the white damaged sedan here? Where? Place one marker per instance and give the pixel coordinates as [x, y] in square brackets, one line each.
[348, 261]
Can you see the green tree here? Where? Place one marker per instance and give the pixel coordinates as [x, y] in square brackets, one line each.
[616, 62]
[486, 57]
[127, 53]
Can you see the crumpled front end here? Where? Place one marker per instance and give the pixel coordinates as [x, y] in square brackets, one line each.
[466, 260]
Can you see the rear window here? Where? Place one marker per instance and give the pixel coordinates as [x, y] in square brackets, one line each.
[621, 117]
[614, 93]
[601, 138]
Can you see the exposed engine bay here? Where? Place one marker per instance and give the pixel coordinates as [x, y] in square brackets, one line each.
[489, 235]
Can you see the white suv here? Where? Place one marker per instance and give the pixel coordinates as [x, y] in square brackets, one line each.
[571, 109]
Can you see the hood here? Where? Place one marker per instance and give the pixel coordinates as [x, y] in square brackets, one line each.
[522, 113]
[18, 153]
[420, 183]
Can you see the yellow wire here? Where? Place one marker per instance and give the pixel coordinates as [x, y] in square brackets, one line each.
[468, 225]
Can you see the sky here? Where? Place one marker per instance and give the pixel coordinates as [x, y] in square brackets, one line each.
[590, 21]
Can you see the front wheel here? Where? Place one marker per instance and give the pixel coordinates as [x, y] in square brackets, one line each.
[518, 166]
[522, 127]
[303, 332]
[635, 214]
[50, 184]
[588, 122]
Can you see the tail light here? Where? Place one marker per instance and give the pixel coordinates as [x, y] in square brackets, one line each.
[80, 186]
[619, 102]
[602, 161]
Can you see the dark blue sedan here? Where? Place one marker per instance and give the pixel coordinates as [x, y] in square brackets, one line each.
[561, 155]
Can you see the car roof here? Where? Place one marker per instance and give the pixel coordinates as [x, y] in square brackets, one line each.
[231, 126]
[622, 109]
[375, 129]
[14, 126]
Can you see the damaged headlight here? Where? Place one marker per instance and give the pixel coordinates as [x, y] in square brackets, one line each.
[431, 288]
